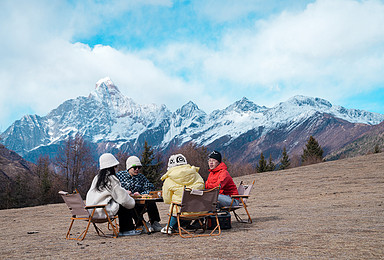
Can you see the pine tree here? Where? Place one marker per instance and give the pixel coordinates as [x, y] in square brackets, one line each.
[43, 174]
[262, 165]
[285, 162]
[150, 170]
[271, 166]
[313, 153]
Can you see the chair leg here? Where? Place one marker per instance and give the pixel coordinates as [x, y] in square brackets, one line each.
[98, 230]
[246, 210]
[169, 221]
[238, 218]
[217, 227]
[249, 216]
[115, 227]
[115, 231]
[82, 235]
[182, 231]
[114, 222]
[187, 234]
[68, 236]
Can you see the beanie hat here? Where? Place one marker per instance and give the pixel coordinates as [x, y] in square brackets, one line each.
[132, 161]
[176, 160]
[107, 160]
[215, 155]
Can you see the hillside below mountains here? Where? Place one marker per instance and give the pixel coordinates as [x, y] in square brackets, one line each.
[12, 166]
[331, 210]
[112, 122]
[363, 143]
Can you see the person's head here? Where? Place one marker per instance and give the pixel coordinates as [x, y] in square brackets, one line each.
[133, 165]
[176, 160]
[214, 159]
[107, 162]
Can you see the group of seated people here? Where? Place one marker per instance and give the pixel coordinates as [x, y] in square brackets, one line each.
[115, 189]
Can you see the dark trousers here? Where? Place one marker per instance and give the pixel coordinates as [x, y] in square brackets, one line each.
[153, 212]
[126, 216]
[126, 219]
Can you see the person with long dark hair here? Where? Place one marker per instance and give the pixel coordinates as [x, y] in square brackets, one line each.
[106, 189]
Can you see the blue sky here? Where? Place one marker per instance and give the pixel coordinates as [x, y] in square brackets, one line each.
[210, 52]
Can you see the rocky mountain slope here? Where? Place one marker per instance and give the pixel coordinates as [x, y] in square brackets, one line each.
[12, 166]
[363, 144]
[111, 122]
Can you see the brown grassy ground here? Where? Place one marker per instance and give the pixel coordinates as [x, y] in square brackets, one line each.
[332, 210]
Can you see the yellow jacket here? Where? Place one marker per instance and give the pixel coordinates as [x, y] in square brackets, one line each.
[176, 178]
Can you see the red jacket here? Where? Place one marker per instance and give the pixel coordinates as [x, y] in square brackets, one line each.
[220, 176]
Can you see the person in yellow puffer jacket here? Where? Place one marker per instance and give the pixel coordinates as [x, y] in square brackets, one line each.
[178, 175]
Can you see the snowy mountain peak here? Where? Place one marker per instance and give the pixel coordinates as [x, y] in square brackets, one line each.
[300, 100]
[244, 105]
[105, 88]
[188, 109]
[304, 106]
[107, 92]
[107, 82]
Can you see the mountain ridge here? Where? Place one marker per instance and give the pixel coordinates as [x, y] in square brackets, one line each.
[111, 121]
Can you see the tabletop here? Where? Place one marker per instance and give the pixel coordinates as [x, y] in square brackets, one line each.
[144, 198]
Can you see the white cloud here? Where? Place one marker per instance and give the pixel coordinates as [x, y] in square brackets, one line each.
[330, 45]
[40, 67]
[330, 49]
[67, 70]
[330, 41]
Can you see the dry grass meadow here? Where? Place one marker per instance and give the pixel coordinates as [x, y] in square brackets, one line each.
[332, 210]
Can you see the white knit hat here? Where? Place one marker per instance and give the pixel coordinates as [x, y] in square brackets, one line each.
[107, 160]
[176, 160]
[133, 161]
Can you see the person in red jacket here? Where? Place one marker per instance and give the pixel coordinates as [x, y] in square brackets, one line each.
[218, 175]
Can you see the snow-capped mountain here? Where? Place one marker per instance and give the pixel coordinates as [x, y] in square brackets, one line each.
[112, 121]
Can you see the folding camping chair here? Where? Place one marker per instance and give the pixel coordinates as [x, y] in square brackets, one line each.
[196, 205]
[244, 191]
[80, 212]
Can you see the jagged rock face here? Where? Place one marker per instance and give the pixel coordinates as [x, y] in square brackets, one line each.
[111, 121]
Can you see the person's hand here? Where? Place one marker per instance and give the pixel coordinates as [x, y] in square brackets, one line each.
[136, 193]
[129, 192]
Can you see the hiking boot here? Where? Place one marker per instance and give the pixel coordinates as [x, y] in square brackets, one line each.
[156, 226]
[164, 230]
[150, 228]
[129, 233]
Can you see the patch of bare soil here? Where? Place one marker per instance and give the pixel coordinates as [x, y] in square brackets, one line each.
[328, 210]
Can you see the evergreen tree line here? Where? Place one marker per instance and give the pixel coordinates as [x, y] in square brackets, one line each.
[74, 168]
[312, 153]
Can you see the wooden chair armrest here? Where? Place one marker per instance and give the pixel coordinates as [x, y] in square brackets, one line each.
[96, 206]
